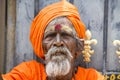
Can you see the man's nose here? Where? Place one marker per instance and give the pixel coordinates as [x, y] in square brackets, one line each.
[58, 42]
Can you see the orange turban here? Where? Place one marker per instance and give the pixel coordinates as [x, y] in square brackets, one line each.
[62, 8]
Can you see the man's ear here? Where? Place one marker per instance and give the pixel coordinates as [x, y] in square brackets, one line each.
[80, 47]
[44, 48]
[78, 52]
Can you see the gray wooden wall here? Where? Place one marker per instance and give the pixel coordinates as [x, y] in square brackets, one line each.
[2, 33]
[102, 17]
[10, 34]
[92, 14]
[113, 34]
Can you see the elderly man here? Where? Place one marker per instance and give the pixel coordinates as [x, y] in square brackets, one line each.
[56, 34]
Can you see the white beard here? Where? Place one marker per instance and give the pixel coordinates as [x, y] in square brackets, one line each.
[55, 68]
[58, 64]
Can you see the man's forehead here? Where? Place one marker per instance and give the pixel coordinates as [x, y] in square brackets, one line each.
[61, 23]
[59, 27]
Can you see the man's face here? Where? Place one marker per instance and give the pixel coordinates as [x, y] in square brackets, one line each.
[60, 46]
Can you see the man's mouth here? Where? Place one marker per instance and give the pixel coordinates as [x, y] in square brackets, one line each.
[58, 55]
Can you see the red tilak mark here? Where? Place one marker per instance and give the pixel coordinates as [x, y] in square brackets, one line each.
[58, 27]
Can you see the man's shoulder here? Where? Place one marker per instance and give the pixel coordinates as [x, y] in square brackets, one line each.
[25, 70]
[89, 73]
[86, 70]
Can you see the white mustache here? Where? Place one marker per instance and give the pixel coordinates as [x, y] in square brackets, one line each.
[57, 51]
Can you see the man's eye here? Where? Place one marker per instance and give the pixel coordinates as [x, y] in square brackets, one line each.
[49, 36]
[65, 35]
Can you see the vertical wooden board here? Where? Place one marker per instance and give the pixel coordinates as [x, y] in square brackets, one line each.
[10, 46]
[92, 14]
[113, 34]
[2, 34]
[24, 16]
[40, 4]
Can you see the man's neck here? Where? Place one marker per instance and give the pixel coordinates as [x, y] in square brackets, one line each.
[67, 77]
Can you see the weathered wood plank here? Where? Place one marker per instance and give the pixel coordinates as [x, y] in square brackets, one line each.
[113, 34]
[2, 34]
[24, 16]
[40, 4]
[92, 14]
[11, 22]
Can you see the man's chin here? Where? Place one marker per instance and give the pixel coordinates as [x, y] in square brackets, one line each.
[58, 68]
[58, 77]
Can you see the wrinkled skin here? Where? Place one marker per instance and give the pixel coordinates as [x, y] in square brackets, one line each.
[60, 35]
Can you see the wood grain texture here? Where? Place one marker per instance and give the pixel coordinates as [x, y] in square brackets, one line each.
[92, 14]
[10, 46]
[113, 34]
[2, 34]
[40, 4]
[24, 17]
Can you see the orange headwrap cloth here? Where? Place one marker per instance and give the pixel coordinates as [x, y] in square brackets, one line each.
[62, 8]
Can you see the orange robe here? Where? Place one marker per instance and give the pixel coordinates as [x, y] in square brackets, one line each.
[34, 70]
